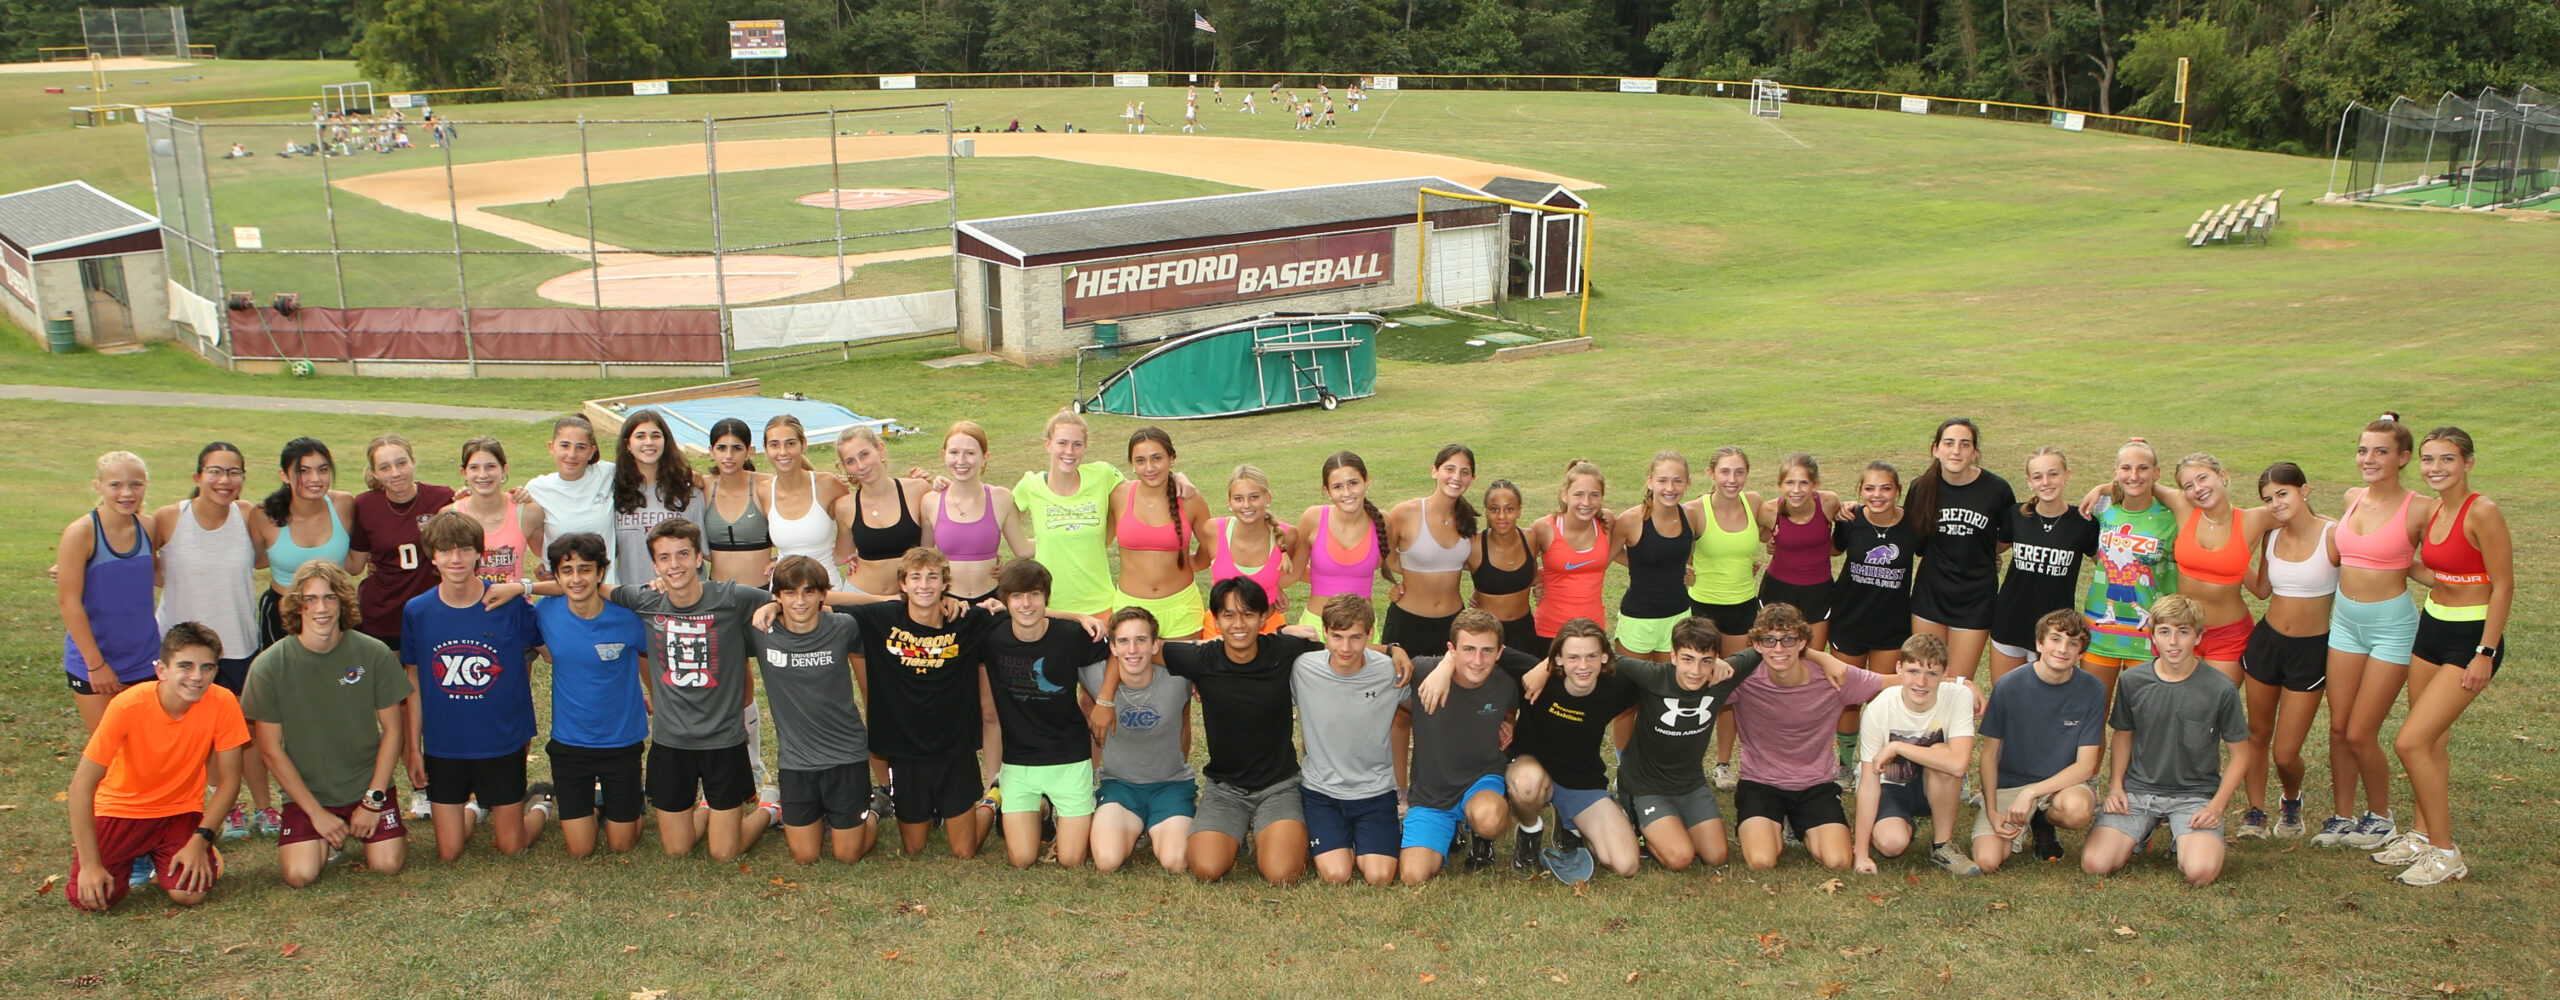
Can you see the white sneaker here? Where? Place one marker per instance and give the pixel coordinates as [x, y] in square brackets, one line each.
[2371, 833]
[2439, 865]
[1724, 778]
[2333, 831]
[419, 808]
[2404, 850]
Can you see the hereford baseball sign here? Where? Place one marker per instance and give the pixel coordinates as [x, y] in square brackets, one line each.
[1210, 276]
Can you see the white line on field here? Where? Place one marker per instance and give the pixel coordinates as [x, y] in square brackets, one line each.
[1382, 114]
[1773, 126]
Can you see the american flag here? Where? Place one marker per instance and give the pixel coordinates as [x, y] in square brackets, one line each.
[1202, 23]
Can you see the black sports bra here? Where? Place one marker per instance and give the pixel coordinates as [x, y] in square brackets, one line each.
[885, 544]
[1498, 582]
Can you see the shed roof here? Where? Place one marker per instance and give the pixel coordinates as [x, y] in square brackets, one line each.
[69, 214]
[1533, 192]
[1242, 214]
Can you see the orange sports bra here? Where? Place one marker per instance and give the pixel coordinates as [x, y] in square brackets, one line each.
[2225, 566]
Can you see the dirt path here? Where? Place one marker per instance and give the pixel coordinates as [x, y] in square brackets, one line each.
[123, 64]
[354, 407]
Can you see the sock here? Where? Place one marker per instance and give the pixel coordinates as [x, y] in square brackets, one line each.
[1937, 845]
[1538, 825]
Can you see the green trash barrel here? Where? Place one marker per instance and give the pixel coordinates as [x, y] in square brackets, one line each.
[59, 335]
[1107, 332]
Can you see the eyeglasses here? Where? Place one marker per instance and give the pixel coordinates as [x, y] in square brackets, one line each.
[222, 472]
[1778, 641]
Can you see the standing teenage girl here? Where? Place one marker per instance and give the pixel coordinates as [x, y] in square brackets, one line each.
[1428, 541]
[1249, 543]
[2372, 627]
[2048, 540]
[652, 484]
[1159, 563]
[305, 520]
[1654, 539]
[1960, 512]
[734, 526]
[2215, 538]
[969, 517]
[1724, 565]
[1573, 551]
[1504, 568]
[1064, 504]
[511, 532]
[1340, 543]
[795, 486]
[1799, 520]
[2461, 641]
[208, 561]
[2137, 546]
[103, 584]
[1872, 599]
[576, 497]
[384, 536]
[878, 514]
[2287, 658]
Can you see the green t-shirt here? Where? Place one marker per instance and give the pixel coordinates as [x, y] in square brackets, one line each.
[1070, 538]
[2136, 564]
[326, 704]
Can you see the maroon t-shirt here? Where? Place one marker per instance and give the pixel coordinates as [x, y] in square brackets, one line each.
[388, 535]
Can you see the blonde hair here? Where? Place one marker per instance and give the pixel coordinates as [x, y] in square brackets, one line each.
[1659, 457]
[1577, 469]
[2178, 609]
[2201, 459]
[115, 458]
[860, 432]
[372, 482]
[1065, 418]
[1251, 474]
[2115, 491]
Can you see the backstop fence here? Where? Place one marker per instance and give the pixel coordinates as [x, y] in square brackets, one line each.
[116, 32]
[408, 242]
[2491, 152]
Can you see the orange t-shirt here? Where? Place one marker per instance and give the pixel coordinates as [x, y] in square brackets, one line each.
[155, 764]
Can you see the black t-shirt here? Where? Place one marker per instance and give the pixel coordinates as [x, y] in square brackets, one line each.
[1872, 605]
[1674, 725]
[923, 679]
[1244, 706]
[1962, 555]
[1563, 730]
[1035, 691]
[2045, 554]
[1462, 741]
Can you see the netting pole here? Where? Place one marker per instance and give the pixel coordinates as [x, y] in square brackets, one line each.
[719, 255]
[835, 195]
[2340, 150]
[1422, 249]
[2479, 130]
[595, 266]
[951, 182]
[329, 209]
[461, 280]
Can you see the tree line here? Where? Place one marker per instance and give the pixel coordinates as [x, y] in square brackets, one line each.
[2266, 73]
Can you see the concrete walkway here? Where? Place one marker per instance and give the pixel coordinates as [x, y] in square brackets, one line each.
[123, 397]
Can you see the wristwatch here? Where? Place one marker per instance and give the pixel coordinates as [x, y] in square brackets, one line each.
[207, 833]
[376, 799]
[2488, 651]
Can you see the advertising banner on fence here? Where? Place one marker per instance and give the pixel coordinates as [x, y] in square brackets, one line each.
[648, 88]
[897, 83]
[1382, 83]
[2069, 121]
[757, 40]
[408, 100]
[1128, 79]
[1631, 85]
[1218, 275]
[1915, 105]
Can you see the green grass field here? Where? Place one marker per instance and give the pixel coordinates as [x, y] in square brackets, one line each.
[1834, 282]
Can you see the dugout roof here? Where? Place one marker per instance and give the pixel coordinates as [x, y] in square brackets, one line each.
[1186, 223]
[49, 221]
[1534, 192]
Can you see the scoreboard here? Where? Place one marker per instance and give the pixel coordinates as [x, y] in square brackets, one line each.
[757, 40]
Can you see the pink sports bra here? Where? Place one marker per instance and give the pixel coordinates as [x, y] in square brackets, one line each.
[2388, 548]
[1222, 561]
[1332, 569]
[1139, 536]
[967, 541]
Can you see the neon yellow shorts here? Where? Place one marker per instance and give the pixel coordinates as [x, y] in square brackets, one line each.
[1175, 612]
[1068, 787]
[1646, 635]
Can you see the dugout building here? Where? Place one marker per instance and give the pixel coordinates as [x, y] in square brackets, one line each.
[71, 251]
[1035, 287]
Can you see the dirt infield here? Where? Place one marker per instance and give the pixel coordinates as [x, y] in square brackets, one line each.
[857, 199]
[1249, 163]
[646, 281]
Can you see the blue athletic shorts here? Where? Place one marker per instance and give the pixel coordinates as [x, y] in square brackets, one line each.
[1570, 802]
[1438, 828]
[1362, 826]
[1154, 802]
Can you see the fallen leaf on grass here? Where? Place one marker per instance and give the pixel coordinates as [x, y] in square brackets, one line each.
[1633, 976]
[1533, 923]
[1111, 974]
[1859, 951]
[10, 807]
[1614, 925]
[49, 882]
[1947, 973]
[2451, 988]
[1876, 898]
[2142, 980]
[647, 994]
[1831, 988]
[234, 949]
[1558, 978]
[1998, 906]
[777, 880]
[889, 956]
[1831, 886]
[2123, 931]
[1389, 946]
[66, 796]
[629, 948]
[1772, 945]
[290, 950]
[1425, 979]
[1911, 880]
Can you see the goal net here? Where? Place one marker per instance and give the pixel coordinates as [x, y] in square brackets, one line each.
[1766, 96]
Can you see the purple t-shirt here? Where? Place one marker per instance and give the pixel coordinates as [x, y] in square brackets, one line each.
[1786, 731]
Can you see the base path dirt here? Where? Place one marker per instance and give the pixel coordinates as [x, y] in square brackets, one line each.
[1249, 163]
[353, 407]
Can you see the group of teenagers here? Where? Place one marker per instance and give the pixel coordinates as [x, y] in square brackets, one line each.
[1050, 698]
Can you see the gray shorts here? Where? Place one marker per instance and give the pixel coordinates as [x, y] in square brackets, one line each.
[1230, 810]
[1695, 806]
[2000, 803]
[2147, 811]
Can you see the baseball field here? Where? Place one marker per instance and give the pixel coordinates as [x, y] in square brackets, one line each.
[1836, 282]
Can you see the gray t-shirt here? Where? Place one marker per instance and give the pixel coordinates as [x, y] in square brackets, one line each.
[631, 561]
[699, 689]
[1147, 746]
[808, 679]
[1462, 741]
[1346, 719]
[2175, 726]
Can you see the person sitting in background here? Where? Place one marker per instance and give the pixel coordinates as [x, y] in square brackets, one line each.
[238, 152]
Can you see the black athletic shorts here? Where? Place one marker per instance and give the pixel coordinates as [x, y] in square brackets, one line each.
[1418, 635]
[924, 789]
[2452, 644]
[841, 795]
[1804, 808]
[2291, 662]
[1732, 619]
[1522, 634]
[1813, 601]
[1969, 612]
[724, 776]
[495, 781]
[588, 780]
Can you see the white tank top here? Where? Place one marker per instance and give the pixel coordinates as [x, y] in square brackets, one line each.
[812, 534]
[208, 579]
[2313, 577]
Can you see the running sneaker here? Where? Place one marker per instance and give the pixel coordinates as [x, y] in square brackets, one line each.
[270, 821]
[1524, 851]
[419, 807]
[2333, 831]
[538, 796]
[236, 825]
[2371, 833]
[2253, 825]
[2048, 844]
[142, 872]
[2403, 850]
[2288, 818]
[883, 804]
[1568, 839]
[1724, 777]
[1479, 852]
[1952, 858]
[2439, 865]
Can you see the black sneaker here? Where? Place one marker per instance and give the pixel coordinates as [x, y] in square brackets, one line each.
[1568, 839]
[1479, 852]
[883, 804]
[2048, 846]
[1524, 851]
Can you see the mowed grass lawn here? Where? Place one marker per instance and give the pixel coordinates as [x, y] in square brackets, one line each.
[1834, 282]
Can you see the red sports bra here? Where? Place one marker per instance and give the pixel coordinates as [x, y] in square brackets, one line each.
[2455, 561]
[1139, 536]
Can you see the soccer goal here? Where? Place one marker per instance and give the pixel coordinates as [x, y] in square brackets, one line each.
[1766, 96]
[347, 98]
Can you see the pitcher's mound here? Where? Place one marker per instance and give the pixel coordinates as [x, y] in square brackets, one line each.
[691, 281]
[855, 199]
